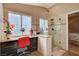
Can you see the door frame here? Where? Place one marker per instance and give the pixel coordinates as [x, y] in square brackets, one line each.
[67, 28]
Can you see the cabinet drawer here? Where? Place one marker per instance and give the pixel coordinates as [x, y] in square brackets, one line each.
[34, 43]
[8, 44]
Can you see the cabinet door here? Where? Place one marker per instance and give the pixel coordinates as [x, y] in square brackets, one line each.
[9, 48]
[34, 43]
[57, 34]
[42, 45]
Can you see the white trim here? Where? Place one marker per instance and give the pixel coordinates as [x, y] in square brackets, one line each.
[72, 12]
[67, 31]
[19, 13]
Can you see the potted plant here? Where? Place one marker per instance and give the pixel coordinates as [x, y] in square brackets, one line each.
[8, 28]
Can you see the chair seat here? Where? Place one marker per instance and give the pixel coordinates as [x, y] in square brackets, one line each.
[23, 51]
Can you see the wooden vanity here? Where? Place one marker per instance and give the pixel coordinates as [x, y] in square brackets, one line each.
[9, 47]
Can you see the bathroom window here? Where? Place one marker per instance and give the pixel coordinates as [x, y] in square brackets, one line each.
[22, 23]
[43, 24]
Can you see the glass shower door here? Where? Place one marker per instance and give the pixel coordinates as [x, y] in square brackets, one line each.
[57, 35]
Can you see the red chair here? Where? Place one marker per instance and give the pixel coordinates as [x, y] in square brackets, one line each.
[23, 45]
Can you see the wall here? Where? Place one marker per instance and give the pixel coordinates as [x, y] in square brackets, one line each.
[34, 11]
[74, 24]
[27, 9]
[1, 15]
[1, 11]
[59, 11]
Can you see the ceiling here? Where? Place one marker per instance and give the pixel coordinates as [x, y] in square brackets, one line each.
[45, 5]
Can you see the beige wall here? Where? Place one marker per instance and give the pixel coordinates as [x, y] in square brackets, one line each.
[1, 11]
[26, 9]
[60, 11]
[1, 16]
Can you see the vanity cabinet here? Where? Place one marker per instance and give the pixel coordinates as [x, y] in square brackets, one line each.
[45, 45]
[8, 48]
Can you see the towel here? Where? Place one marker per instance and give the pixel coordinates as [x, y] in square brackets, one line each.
[23, 42]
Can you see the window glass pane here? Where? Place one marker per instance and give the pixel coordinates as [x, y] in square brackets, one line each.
[15, 19]
[26, 24]
[46, 24]
[43, 24]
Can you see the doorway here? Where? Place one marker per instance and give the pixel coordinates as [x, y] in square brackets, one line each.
[73, 33]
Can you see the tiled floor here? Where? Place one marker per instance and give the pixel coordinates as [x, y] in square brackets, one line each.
[69, 54]
[58, 51]
[35, 53]
[73, 50]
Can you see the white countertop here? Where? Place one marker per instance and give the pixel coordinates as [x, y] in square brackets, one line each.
[13, 39]
[16, 38]
[44, 35]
